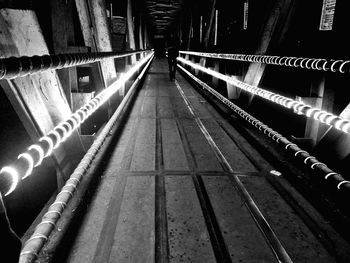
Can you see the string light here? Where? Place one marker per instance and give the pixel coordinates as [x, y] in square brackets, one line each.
[36, 153]
[299, 107]
[30, 161]
[14, 177]
[333, 65]
[304, 156]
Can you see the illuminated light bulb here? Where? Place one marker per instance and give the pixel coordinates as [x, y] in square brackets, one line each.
[292, 63]
[49, 142]
[323, 116]
[300, 110]
[64, 132]
[295, 62]
[320, 67]
[341, 183]
[69, 129]
[40, 152]
[93, 103]
[301, 62]
[330, 118]
[276, 60]
[317, 114]
[324, 66]
[313, 66]
[14, 177]
[58, 138]
[30, 162]
[285, 102]
[296, 105]
[289, 104]
[88, 107]
[310, 111]
[329, 174]
[84, 115]
[280, 100]
[97, 102]
[74, 121]
[346, 127]
[271, 96]
[333, 64]
[339, 123]
[306, 64]
[342, 66]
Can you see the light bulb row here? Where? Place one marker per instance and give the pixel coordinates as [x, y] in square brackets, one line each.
[304, 156]
[342, 66]
[36, 153]
[299, 107]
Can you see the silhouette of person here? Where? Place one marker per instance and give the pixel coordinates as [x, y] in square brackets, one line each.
[11, 243]
[173, 53]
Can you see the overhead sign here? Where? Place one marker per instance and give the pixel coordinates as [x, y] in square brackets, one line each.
[245, 16]
[327, 15]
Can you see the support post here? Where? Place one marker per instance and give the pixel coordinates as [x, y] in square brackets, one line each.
[279, 15]
[131, 35]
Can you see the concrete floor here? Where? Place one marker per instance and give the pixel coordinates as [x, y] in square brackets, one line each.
[168, 196]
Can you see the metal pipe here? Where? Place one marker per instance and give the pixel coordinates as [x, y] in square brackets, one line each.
[321, 64]
[35, 243]
[298, 107]
[14, 67]
[11, 175]
[336, 179]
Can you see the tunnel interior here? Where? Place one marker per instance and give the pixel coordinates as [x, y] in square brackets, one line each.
[78, 55]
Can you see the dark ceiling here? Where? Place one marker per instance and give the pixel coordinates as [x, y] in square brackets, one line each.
[162, 13]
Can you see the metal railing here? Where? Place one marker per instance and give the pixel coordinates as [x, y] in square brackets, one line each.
[35, 243]
[303, 156]
[12, 174]
[14, 67]
[322, 64]
[299, 107]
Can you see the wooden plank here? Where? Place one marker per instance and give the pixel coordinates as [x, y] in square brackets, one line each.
[188, 236]
[242, 237]
[134, 237]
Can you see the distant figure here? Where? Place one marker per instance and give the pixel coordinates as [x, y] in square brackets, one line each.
[11, 243]
[173, 53]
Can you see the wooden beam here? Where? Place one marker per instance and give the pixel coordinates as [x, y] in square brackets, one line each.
[38, 99]
[277, 17]
[95, 30]
[141, 44]
[131, 33]
[210, 25]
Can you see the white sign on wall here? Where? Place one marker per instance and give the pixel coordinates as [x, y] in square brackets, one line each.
[327, 15]
[245, 16]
